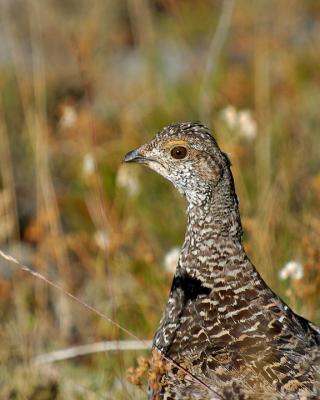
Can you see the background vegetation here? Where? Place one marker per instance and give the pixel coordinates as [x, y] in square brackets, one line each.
[84, 82]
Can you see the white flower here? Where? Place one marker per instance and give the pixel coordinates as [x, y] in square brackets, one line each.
[88, 164]
[240, 121]
[69, 117]
[292, 269]
[101, 239]
[230, 116]
[171, 260]
[127, 180]
[247, 125]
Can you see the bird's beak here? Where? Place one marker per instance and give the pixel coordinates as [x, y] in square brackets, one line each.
[139, 155]
[143, 155]
[134, 156]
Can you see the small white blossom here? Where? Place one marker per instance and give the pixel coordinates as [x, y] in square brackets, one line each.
[102, 240]
[127, 180]
[247, 125]
[69, 117]
[171, 260]
[242, 122]
[88, 164]
[230, 116]
[292, 269]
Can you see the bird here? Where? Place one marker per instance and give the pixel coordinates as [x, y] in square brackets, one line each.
[224, 333]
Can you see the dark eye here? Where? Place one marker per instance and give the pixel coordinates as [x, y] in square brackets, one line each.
[179, 152]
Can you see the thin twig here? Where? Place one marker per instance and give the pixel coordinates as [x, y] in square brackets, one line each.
[54, 285]
[98, 347]
[216, 45]
[7, 174]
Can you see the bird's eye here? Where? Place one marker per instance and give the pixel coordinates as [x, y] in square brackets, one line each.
[178, 152]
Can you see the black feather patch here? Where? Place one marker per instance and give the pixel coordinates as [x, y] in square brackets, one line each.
[191, 287]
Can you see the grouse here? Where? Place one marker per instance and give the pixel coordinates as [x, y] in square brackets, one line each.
[224, 333]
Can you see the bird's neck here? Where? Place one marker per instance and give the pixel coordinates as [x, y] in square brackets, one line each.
[213, 249]
[218, 218]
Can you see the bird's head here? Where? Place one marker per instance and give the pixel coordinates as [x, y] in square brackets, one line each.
[188, 156]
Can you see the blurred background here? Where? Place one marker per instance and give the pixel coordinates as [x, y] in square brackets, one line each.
[82, 83]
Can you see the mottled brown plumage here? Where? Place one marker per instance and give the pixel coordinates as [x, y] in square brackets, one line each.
[231, 335]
